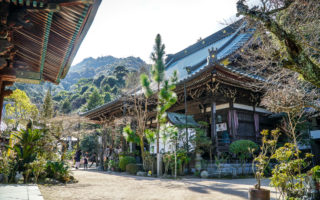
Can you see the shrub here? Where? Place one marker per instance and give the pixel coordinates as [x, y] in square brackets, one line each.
[5, 166]
[38, 166]
[182, 160]
[315, 172]
[112, 165]
[287, 177]
[132, 168]
[59, 171]
[27, 148]
[197, 173]
[70, 154]
[126, 160]
[243, 150]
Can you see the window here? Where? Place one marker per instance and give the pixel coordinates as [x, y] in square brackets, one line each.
[246, 124]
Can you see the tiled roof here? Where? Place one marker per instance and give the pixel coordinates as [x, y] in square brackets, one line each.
[196, 61]
[106, 105]
[204, 42]
[180, 120]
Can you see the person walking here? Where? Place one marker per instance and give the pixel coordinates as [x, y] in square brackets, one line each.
[77, 158]
[85, 162]
[93, 159]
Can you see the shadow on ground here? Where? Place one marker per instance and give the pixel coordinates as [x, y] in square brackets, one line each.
[234, 187]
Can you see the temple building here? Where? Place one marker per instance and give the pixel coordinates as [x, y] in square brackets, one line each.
[39, 39]
[210, 88]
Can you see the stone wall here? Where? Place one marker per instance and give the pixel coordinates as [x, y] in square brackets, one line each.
[229, 170]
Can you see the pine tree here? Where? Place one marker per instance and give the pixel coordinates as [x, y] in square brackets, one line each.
[107, 97]
[47, 106]
[66, 107]
[166, 96]
[157, 72]
[94, 100]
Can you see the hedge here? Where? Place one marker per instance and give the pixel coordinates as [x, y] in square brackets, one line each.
[125, 160]
[132, 168]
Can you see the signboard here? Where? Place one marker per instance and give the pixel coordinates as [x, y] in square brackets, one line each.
[221, 127]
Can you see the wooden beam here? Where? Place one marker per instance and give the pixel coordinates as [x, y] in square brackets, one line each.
[70, 2]
[3, 63]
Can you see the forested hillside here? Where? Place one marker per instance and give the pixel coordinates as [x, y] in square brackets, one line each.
[88, 84]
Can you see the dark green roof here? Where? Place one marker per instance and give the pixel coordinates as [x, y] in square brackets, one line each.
[180, 120]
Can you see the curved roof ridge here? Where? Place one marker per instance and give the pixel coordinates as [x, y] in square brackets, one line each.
[219, 35]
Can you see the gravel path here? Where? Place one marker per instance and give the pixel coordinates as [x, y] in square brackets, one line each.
[96, 185]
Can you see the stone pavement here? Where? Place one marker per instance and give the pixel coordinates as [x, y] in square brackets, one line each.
[20, 192]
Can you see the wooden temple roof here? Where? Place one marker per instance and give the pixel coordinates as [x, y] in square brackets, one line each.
[199, 63]
[40, 38]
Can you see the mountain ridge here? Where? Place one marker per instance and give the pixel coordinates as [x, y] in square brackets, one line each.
[104, 74]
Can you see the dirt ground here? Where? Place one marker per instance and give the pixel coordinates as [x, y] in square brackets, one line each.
[96, 185]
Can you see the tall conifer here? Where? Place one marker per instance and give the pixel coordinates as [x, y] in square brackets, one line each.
[47, 106]
[165, 96]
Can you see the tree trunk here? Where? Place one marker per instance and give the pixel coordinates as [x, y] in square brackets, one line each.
[64, 149]
[142, 149]
[158, 137]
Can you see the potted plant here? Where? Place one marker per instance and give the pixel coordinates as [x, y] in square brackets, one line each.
[261, 162]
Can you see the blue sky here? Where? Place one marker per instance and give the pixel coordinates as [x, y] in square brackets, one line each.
[128, 27]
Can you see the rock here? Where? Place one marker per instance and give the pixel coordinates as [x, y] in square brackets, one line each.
[18, 177]
[1, 178]
[204, 174]
[141, 173]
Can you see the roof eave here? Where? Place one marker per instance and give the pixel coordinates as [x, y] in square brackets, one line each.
[83, 32]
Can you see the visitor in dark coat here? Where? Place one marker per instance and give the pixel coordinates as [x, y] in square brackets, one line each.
[78, 158]
[93, 159]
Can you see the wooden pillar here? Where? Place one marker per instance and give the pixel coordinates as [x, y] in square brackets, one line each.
[2, 87]
[214, 136]
[254, 123]
[232, 122]
[186, 117]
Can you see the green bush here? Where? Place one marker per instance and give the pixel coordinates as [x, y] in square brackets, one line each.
[38, 167]
[243, 150]
[132, 168]
[70, 154]
[59, 171]
[126, 160]
[315, 172]
[5, 167]
[112, 165]
[27, 147]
